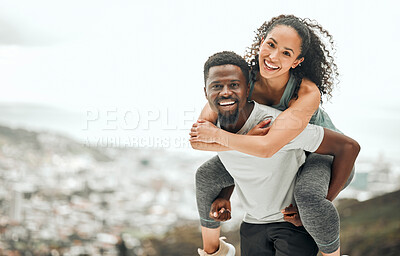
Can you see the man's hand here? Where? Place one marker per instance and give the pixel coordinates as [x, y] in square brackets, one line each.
[203, 131]
[260, 129]
[291, 214]
[221, 210]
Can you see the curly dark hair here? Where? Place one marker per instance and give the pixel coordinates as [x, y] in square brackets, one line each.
[318, 64]
[226, 58]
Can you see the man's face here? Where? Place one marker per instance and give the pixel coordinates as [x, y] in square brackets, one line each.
[226, 91]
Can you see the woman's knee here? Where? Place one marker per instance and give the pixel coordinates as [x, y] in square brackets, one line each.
[208, 169]
[201, 174]
[306, 196]
[213, 173]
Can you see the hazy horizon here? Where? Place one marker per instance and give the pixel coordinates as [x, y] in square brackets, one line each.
[148, 56]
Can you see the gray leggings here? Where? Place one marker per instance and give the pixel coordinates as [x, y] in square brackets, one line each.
[318, 215]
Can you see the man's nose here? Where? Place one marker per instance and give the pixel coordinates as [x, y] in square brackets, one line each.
[226, 90]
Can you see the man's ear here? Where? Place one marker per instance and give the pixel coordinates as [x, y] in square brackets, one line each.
[297, 62]
[205, 91]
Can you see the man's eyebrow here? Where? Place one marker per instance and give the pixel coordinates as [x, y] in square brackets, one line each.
[217, 82]
[284, 47]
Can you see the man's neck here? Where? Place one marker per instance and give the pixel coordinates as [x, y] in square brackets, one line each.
[243, 116]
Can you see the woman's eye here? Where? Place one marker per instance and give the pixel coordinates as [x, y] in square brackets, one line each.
[271, 44]
[287, 53]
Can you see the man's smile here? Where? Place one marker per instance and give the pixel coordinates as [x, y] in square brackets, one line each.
[227, 104]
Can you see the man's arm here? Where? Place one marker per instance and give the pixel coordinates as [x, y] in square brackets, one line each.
[221, 207]
[345, 151]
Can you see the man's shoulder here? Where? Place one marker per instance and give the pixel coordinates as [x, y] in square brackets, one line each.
[267, 108]
[264, 110]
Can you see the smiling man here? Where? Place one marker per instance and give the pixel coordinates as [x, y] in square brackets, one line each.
[264, 185]
[227, 90]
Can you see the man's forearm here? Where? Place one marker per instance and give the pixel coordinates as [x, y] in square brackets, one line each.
[345, 151]
[342, 166]
[226, 192]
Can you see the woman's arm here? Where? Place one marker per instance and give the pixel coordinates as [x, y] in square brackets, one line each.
[259, 130]
[215, 147]
[286, 127]
[208, 114]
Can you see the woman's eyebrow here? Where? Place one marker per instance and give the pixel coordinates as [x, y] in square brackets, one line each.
[286, 48]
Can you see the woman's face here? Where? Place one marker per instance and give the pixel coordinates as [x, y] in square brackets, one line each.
[279, 51]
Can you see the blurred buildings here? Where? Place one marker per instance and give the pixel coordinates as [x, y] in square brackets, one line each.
[56, 194]
[60, 197]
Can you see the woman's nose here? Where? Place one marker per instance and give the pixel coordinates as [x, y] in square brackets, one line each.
[273, 55]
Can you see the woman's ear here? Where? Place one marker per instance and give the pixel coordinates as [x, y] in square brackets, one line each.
[297, 62]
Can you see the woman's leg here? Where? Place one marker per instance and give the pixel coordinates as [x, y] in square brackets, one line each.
[318, 215]
[211, 178]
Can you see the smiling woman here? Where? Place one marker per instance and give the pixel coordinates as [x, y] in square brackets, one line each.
[283, 44]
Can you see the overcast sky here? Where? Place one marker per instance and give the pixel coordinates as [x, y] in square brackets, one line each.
[83, 54]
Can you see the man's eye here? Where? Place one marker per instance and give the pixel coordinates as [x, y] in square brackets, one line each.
[235, 85]
[217, 86]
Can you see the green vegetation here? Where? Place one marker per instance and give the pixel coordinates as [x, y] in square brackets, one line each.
[369, 228]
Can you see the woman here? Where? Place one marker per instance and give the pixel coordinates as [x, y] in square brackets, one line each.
[291, 69]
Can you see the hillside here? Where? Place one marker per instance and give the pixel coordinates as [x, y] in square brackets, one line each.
[21, 144]
[369, 228]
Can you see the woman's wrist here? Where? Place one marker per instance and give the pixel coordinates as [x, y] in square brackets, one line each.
[221, 138]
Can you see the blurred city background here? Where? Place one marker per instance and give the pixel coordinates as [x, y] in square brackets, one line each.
[98, 98]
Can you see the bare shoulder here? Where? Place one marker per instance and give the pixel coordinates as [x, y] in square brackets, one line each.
[308, 87]
[308, 96]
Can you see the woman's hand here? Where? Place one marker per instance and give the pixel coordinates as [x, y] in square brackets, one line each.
[203, 131]
[260, 129]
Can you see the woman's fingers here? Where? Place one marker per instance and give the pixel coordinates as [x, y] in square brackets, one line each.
[265, 122]
[265, 130]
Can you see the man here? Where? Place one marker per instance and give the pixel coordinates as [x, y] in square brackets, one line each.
[264, 185]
